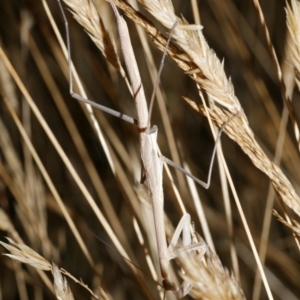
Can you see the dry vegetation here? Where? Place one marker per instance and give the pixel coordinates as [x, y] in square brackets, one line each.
[71, 202]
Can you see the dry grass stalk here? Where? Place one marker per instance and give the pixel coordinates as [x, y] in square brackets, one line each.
[295, 226]
[27, 194]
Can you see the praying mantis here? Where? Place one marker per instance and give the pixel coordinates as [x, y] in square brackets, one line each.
[151, 159]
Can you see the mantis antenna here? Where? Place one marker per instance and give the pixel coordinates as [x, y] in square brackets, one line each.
[159, 72]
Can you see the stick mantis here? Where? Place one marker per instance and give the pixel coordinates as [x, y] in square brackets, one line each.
[151, 159]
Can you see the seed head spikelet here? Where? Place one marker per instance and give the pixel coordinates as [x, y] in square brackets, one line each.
[26, 255]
